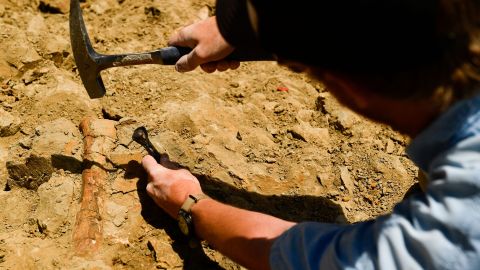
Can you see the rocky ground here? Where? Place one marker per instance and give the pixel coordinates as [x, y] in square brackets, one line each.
[260, 137]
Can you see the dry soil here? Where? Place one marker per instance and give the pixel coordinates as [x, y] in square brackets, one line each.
[296, 154]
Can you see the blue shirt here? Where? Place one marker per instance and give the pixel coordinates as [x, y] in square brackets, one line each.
[439, 229]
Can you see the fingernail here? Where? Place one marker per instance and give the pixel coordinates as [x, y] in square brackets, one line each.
[179, 68]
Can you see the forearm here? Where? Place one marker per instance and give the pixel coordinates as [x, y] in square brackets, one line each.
[244, 236]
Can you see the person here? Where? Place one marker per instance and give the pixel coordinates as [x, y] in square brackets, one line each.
[411, 64]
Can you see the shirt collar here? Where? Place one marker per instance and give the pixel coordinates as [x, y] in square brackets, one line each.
[459, 122]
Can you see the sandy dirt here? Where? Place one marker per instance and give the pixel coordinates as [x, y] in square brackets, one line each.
[296, 154]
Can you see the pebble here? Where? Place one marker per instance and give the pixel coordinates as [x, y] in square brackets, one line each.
[9, 124]
[279, 109]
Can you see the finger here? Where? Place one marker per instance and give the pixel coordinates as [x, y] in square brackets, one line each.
[150, 189]
[151, 166]
[234, 64]
[188, 62]
[209, 67]
[223, 65]
[183, 38]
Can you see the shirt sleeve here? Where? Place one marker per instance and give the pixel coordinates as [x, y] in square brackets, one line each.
[436, 230]
[234, 23]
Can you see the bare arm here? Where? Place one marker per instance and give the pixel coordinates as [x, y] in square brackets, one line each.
[244, 236]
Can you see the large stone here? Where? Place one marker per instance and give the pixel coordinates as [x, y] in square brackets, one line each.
[56, 197]
[31, 173]
[164, 254]
[60, 142]
[310, 134]
[19, 48]
[125, 128]
[345, 119]
[64, 84]
[55, 145]
[9, 124]
[347, 179]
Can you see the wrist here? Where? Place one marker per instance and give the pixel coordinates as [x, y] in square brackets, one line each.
[185, 215]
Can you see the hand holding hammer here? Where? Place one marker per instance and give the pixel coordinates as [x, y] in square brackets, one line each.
[90, 63]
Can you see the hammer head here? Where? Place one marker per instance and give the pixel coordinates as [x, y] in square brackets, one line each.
[84, 54]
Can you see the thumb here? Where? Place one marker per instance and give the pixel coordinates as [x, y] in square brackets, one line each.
[151, 166]
[188, 62]
[183, 38]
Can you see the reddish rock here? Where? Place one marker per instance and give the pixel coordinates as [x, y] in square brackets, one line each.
[99, 127]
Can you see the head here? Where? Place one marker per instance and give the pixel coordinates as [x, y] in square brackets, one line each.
[405, 51]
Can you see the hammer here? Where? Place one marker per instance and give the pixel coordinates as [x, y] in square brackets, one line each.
[90, 63]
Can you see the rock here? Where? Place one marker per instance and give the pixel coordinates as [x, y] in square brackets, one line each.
[117, 213]
[324, 179]
[102, 6]
[102, 145]
[390, 148]
[65, 84]
[152, 11]
[125, 128]
[56, 197]
[9, 124]
[112, 113]
[2, 10]
[279, 109]
[164, 254]
[346, 179]
[59, 141]
[304, 116]
[123, 186]
[102, 128]
[15, 42]
[181, 123]
[125, 159]
[36, 26]
[3, 170]
[203, 14]
[6, 71]
[55, 6]
[30, 174]
[54, 44]
[310, 134]
[345, 119]
[359, 217]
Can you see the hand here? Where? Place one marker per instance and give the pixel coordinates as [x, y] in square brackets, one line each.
[169, 188]
[209, 47]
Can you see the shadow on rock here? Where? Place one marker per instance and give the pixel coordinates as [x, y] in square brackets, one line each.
[193, 258]
[292, 208]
